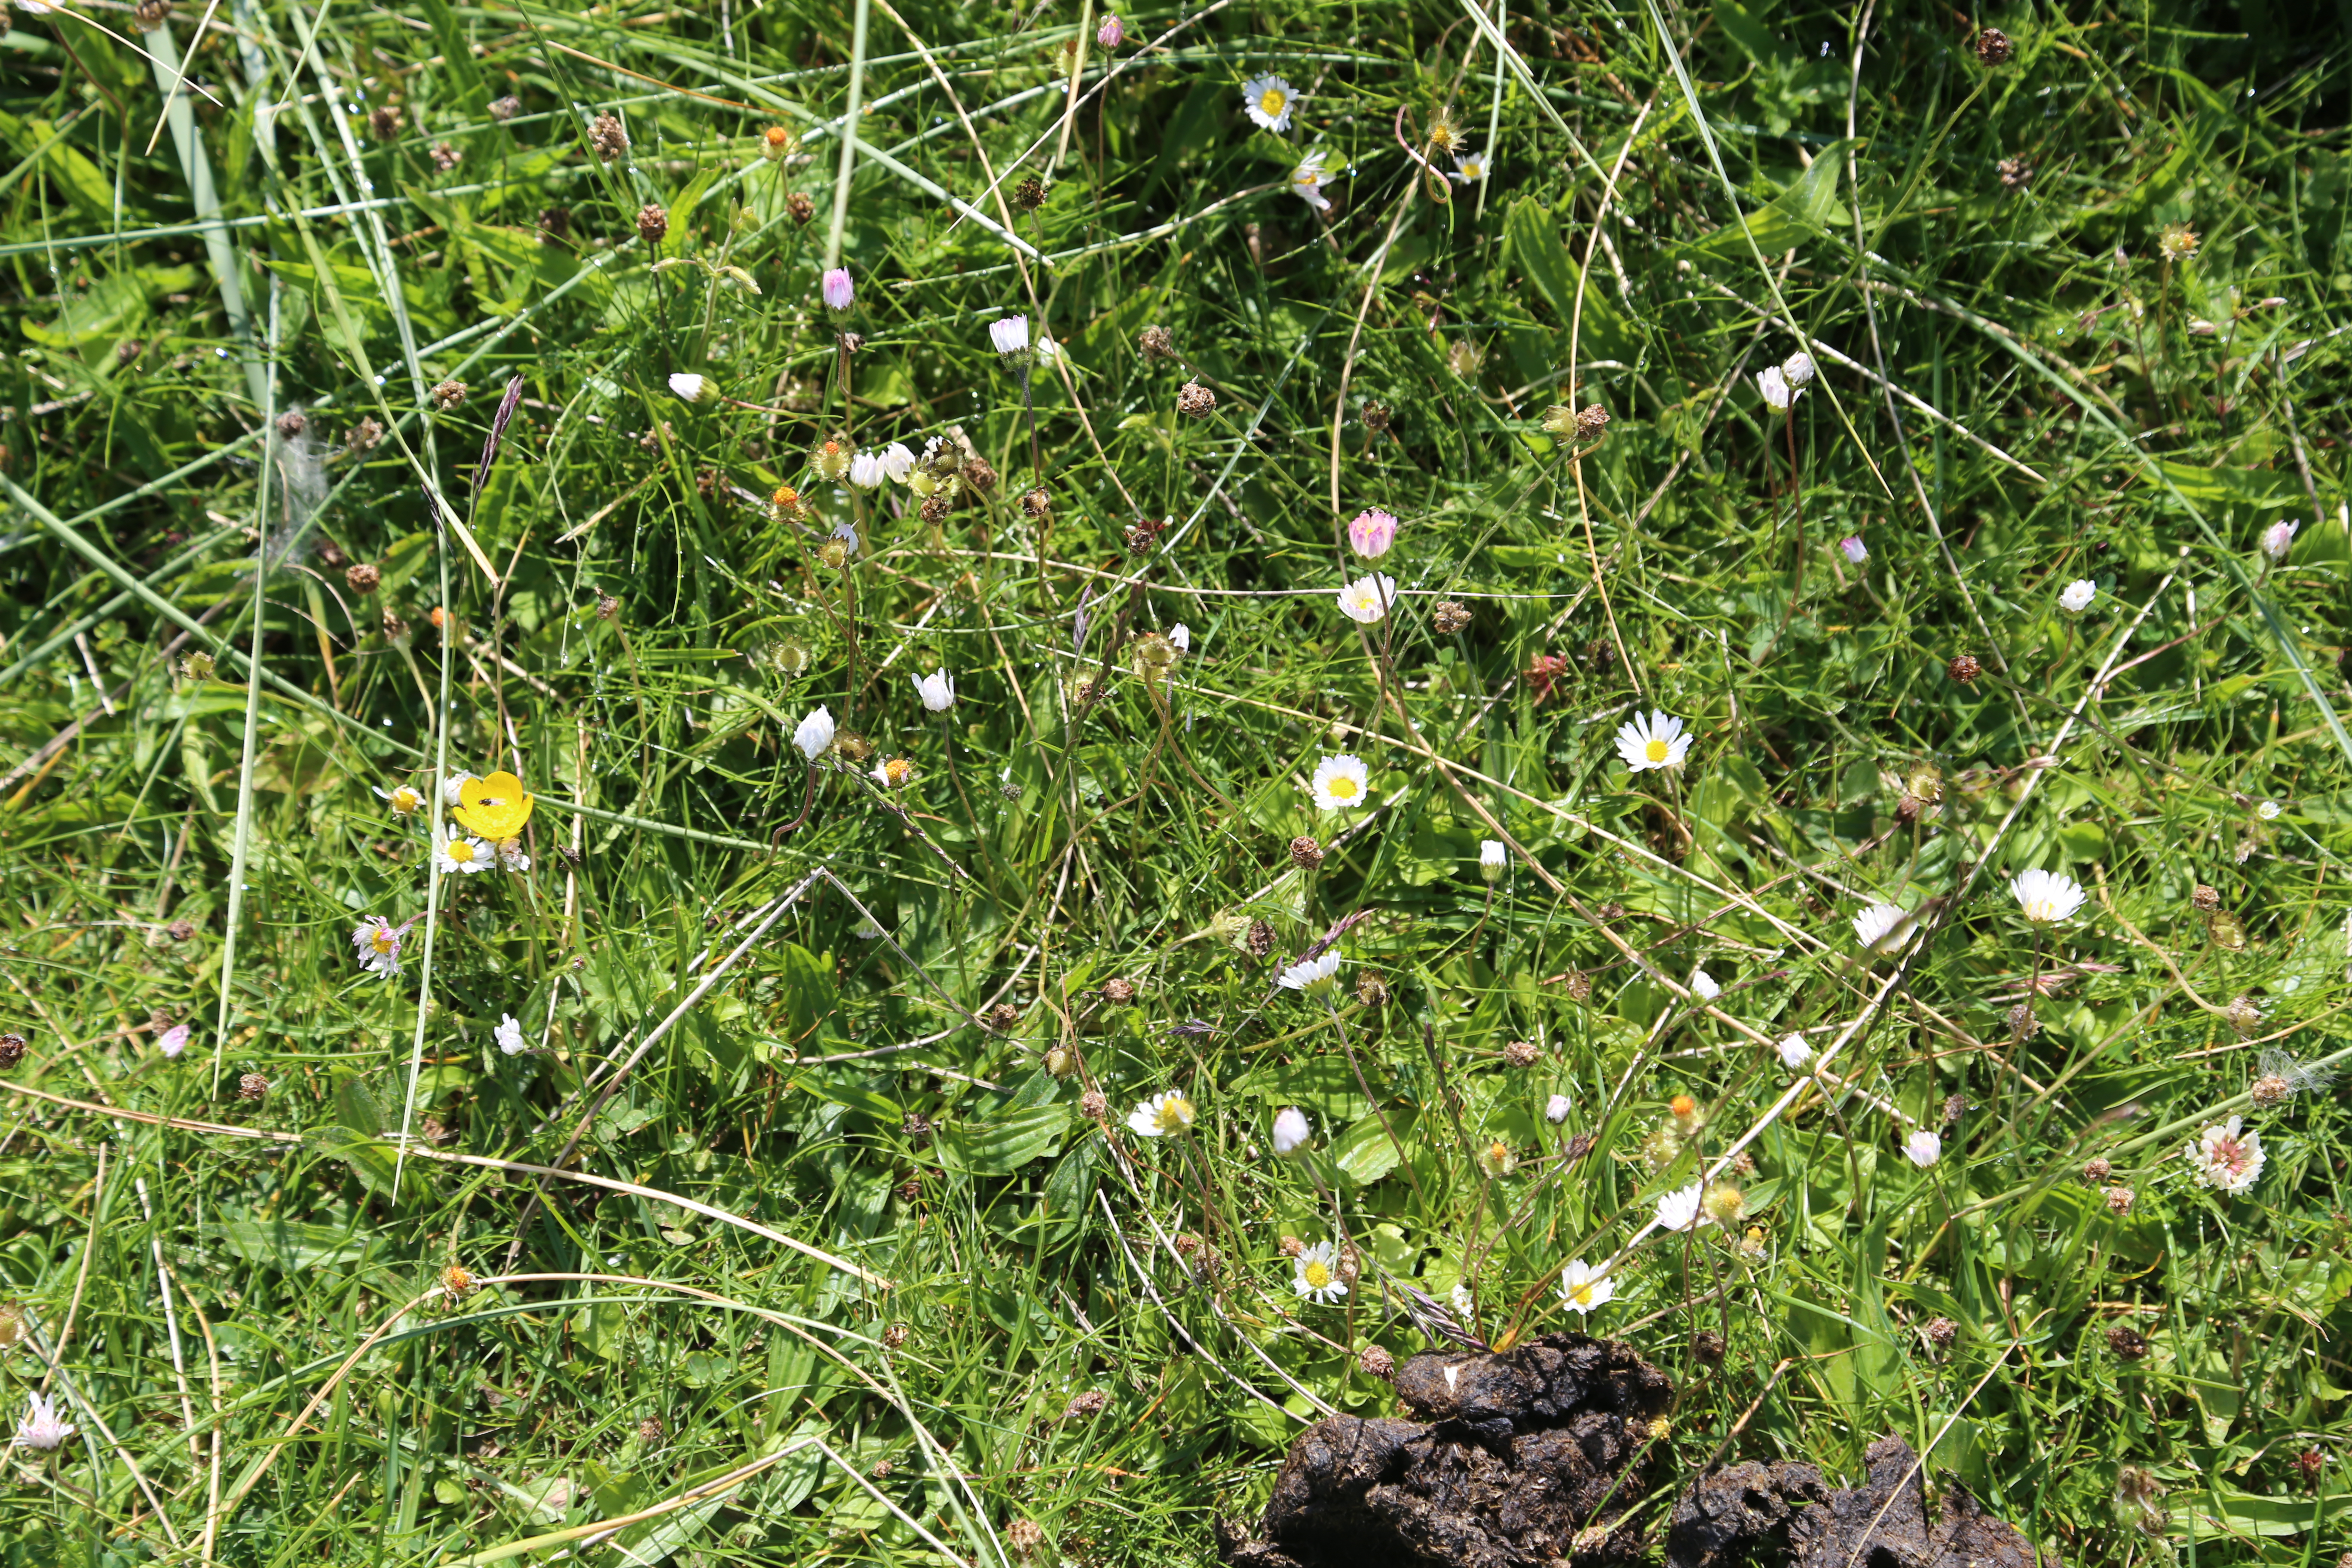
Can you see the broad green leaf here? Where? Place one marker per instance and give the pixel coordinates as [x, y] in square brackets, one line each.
[1000, 1146]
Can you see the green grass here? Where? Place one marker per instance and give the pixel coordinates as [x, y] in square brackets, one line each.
[848, 1227]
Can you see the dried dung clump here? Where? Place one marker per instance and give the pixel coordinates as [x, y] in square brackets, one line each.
[1520, 1460]
[1784, 1514]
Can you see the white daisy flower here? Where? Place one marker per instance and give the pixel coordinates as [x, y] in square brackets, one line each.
[460, 851]
[692, 388]
[1853, 549]
[509, 1033]
[1313, 977]
[403, 799]
[814, 735]
[1774, 386]
[1923, 1148]
[1883, 929]
[2046, 897]
[2277, 537]
[1268, 100]
[866, 470]
[1290, 1129]
[1180, 637]
[1492, 860]
[1656, 742]
[42, 1428]
[1463, 1302]
[1794, 1053]
[1317, 1279]
[1340, 783]
[2225, 1158]
[1161, 1115]
[1307, 181]
[453, 789]
[173, 1040]
[2076, 596]
[378, 941]
[1681, 1209]
[1703, 985]
[1469, 168]
[1555, 1110]
[1583, 1287]
[897, 461]
[1797, 370]
[937, 690]
[1368, 598]
[2268, 811]
[1009, 335]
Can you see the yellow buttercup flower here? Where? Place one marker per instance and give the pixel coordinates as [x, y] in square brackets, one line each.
[494, 809]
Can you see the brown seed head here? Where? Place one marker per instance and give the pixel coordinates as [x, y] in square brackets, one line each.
[1908, 809]
[2310, 1465]
[917, 1127]
[608, 137]
[444, 156]
[554, 224]
[1590, 420]
[1521, 1053]
[1119, 991]
[1305, 853]
[2119, 1199]
[1195, 401]
[653, 222]
[1026, 1536]
[2244, 1017]
[180, 931]
[1939, 1332]
[2023, 1025]
[651, 1430]
[894, 1336]
[505, 109]
[2206, 899]
[363, 436]
[1377, 418]
[1093, 1106]
[1377, 1362]
[12, 1051]
[2096, 1170]
[910, 1189]
[1291, 1246]
[2015, 173]
[1086, 1407]
[608, 608]
[1260, 939]
[2269, 1089]
[800, 207]
[292, 423]
[448, 395]
[1157, 342]
[1579, 985]
[1004, 1017]
[1450, 617]
[1964, 667]
[363, 577]
[1710, 1346]
[1037, 504]
[1955, 1106]
[980, 476]
[2127, 1341]
[1993, 47]
[1578, 1147]
[383, 123]
[151, 15]
[252, 1087]
[1029, 194]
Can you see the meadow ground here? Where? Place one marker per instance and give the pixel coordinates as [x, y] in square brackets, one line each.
[1166, 706]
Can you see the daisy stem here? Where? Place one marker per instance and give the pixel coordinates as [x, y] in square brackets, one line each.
[1403, 1157]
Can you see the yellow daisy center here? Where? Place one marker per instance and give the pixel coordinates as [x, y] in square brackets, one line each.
[405, 800]
[1318, 1277]
[1656, 751]
[1582, 1294]
[1343, 787]
[896, 770]
[1270, 102]
[1175, 1114]
[385, 942]
[461, 851]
